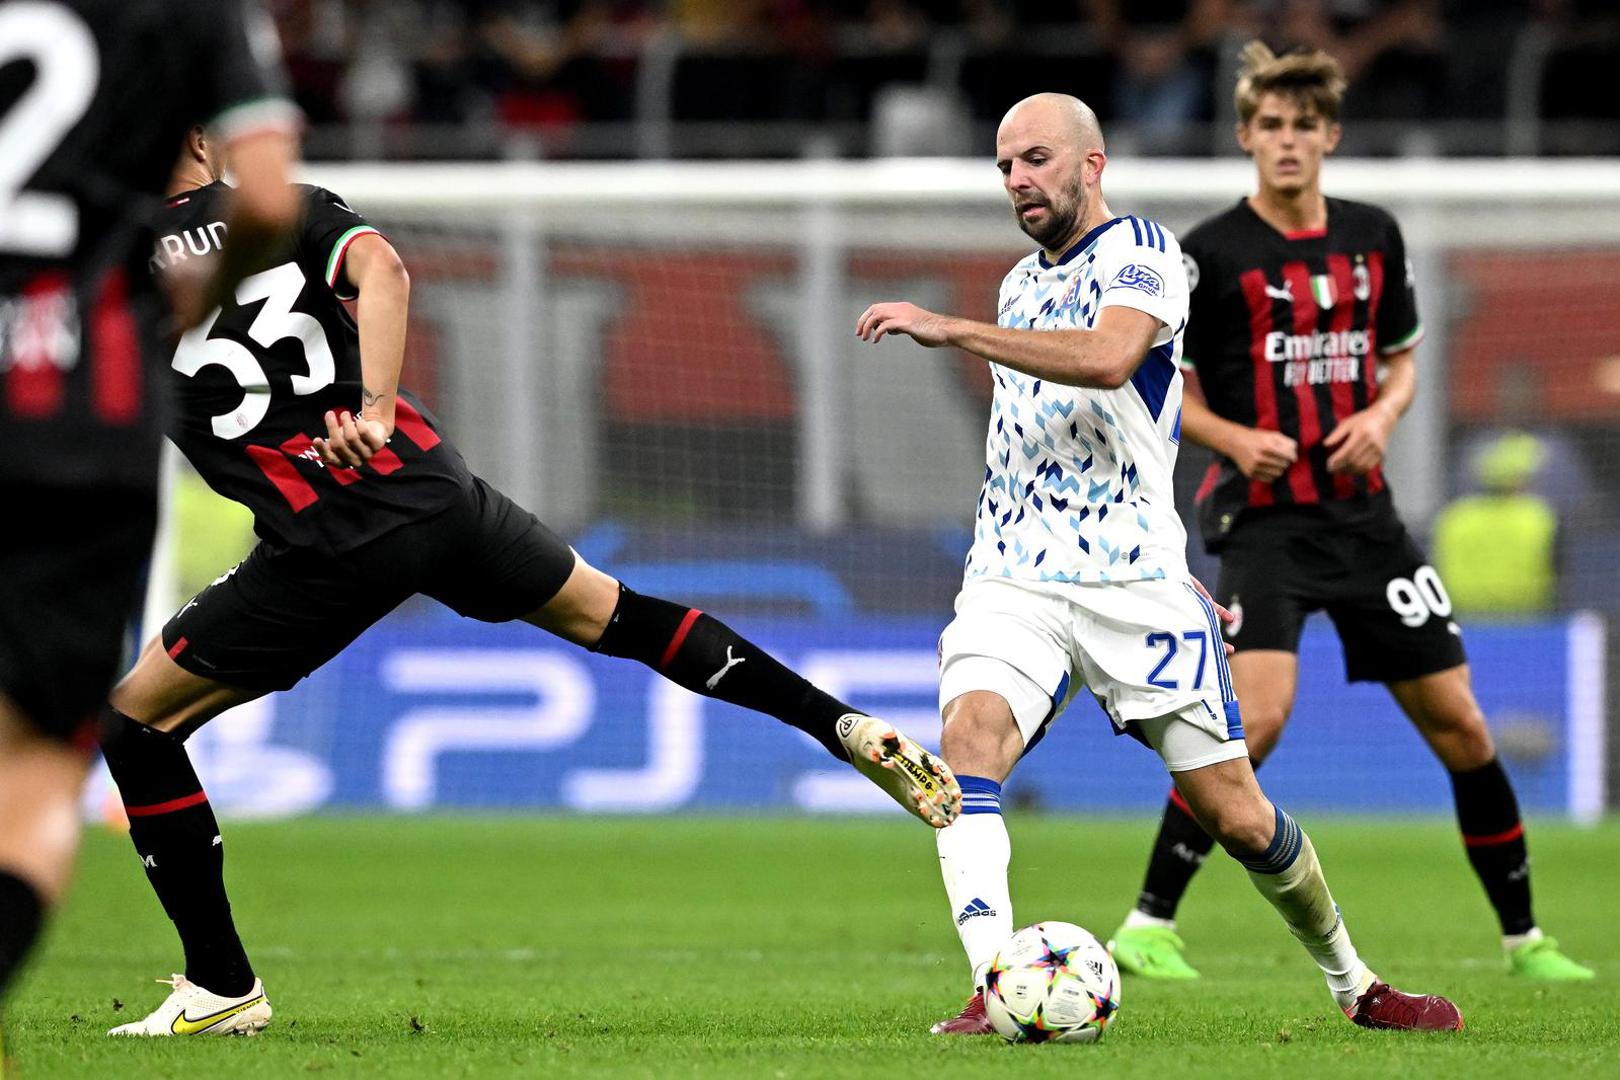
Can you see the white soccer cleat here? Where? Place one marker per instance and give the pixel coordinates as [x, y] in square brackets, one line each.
[191, 1010]
[913, 777]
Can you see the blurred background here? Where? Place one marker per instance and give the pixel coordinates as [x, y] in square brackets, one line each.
[639, 234]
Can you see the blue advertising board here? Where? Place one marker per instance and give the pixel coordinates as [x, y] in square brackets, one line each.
[431, 711]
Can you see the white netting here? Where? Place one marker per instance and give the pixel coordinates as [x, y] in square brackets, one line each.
[659, 360]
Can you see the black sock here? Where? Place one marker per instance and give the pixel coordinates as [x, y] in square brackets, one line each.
[1488, 815]
[1178, 851]
[707, 657]
[178, 840]
[22, 913]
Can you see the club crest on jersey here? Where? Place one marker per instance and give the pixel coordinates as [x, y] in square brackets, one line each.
[1322, 290]
[1234, 627]
[1138, 277]
[1362, 288]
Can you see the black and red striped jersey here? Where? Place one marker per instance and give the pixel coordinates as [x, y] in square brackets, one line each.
[252, 382]
[95, 100]
[1284, 331]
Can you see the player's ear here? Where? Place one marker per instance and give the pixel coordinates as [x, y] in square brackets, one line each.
[1332, 141]
[1095, 161]
[1242, 133]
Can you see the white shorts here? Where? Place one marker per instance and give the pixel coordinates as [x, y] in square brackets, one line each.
[1150, 652]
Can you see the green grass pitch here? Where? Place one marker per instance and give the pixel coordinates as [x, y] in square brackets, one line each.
[563, 947]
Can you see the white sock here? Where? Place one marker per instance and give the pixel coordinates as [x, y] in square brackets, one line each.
[1513, 941]
[973, 857]
[1290, 877]
[1137, 919]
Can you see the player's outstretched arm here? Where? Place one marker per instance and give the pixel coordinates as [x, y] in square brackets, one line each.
[1103, 357]
[374, 269]
[1357, 443]
[1259, 454]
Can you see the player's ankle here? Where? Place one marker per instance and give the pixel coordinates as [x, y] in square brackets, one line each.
[1136, 918]
[1514, 941]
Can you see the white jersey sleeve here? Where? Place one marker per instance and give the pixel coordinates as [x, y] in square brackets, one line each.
[1141, 267]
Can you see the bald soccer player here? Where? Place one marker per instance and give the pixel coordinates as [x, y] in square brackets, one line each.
[1077, 575]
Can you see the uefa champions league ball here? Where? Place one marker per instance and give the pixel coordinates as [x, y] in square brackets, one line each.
[1052, 982]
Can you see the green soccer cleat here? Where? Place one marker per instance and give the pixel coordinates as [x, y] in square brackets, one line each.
[1153, 952]
[1541, 960]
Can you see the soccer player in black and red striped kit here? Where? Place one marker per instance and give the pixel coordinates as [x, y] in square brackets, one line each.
[93, 96]
[292, 407]
[1302, 332]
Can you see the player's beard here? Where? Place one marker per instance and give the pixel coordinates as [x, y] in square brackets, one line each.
[1062, 215]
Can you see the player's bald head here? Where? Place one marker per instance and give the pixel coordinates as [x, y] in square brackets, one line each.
[1049, 149]
[1055, 119]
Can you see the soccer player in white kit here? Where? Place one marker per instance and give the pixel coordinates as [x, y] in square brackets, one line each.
[1077, 576]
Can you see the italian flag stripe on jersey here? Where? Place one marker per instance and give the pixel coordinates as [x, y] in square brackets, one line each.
[335, 261]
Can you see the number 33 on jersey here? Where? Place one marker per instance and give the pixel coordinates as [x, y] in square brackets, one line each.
[254, 380]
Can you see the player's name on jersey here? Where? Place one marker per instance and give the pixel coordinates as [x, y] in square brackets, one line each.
[40, 328]
[177, 247]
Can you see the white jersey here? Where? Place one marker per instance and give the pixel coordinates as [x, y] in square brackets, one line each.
[1077, 484]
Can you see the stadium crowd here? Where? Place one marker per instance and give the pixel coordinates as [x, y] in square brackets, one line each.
[917, 75]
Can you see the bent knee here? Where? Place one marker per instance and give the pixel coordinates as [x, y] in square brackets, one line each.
[1245, 830]
[980, 736]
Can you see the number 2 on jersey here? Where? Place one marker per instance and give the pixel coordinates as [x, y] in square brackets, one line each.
[67, 68]
[1167, 642]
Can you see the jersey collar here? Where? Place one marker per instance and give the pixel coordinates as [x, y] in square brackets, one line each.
[1078, 246]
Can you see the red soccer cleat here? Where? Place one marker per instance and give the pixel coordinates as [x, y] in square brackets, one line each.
[1383, 1006]
[972, 1020]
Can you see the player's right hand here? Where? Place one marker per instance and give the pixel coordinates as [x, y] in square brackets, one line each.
[1263, 455]
[350, 440]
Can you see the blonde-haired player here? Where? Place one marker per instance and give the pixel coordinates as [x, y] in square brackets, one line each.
[1298, 302]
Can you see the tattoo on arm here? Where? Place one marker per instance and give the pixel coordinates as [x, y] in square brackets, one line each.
[368, 398]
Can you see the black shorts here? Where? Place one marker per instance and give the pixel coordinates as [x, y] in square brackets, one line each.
[72, 564]
[1392, 613]
[284, 611]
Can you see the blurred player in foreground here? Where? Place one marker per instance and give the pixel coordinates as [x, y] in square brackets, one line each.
[80, 368]
[1296, 301]
[372, 509]
[1077, 575]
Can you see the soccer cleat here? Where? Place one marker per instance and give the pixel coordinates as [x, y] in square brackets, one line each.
[191, 1010]
[1153, 952]
[1540, 959]
[972, 1020]
[1383, 1006]
[913, 777]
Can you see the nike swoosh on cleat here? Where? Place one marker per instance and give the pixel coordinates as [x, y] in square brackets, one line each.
[185, 1025]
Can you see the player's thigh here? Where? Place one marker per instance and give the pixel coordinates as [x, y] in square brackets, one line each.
[498, 562]
[1268, 591]
[70, 580]
[160, 693]
[582, 607]
[1004, 674]
[1394, 621]
[1266, 681]
[1443, 708]
[1151, 653]
[265, 624]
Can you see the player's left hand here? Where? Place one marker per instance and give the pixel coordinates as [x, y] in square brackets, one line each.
[922, 326]
[350, 440]
[1357, 444]
[1224, 615]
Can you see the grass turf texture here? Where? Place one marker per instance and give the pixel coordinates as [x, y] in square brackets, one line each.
[782, 948]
